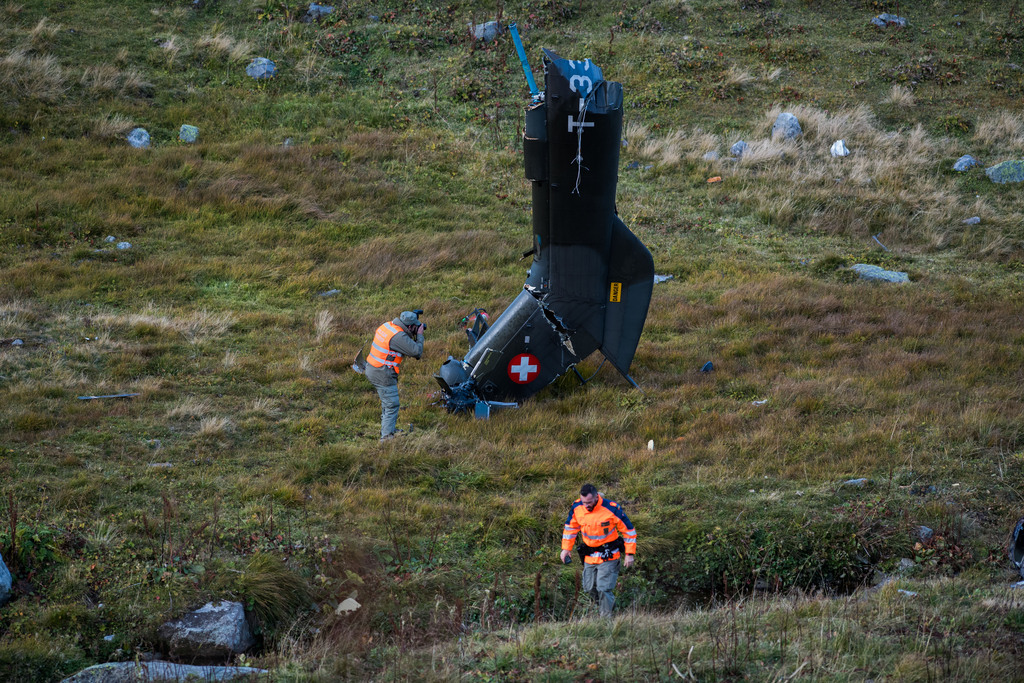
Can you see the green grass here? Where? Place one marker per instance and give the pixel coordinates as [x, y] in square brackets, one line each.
[248, 465]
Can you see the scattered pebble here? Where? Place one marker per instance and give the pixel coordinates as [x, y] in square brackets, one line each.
[973, 220]
[858, 483]
[124, 245]
[739, 148]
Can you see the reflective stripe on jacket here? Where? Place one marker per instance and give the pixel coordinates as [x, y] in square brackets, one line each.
[381, 353]
[601, 526]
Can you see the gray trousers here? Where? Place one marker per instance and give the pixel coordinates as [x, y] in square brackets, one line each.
[599, 580]
[388, 409]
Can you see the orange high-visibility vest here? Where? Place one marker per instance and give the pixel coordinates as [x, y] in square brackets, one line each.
[604, 525]
[380, 352]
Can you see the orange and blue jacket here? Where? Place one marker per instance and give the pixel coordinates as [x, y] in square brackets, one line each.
[603, 525]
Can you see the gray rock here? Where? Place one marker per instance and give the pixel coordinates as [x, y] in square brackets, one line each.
[124, 245]
[261, 68]
[188, 133]
[330, 292]
[139, 138]
[6, 582]
[973, 220]
[136, 672]
[905, 565]
[738, 149]
[869, 272]
[787, 126]
[212, 631]
[857, 483]
[487, 31]
[1006, 172]
[18, 342]
[317, 12]
[287, 142]
[839, 149]
[110, 238]
[161, 465]
[925, 533]
[965, 162]
[885, 20]
[711, 156]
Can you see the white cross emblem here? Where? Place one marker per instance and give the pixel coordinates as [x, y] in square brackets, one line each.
[523, 368]
[579, 124]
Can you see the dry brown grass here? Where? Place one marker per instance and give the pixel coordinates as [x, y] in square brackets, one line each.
[113, 126]
[323, 325]
[215, 46]
[32, 77]
[214, 427]
[738, 77]
[900, 96]
[1004, 129]
[172, 47]
[43, 33]
[195, 326]
[102, 79]
[190, 408]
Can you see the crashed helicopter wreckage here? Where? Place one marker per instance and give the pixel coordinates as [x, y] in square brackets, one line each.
[590, 283]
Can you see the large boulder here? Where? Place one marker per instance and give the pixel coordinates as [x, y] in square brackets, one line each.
[885, 20]
[787, 126]
[136, 672]
[261, 68]
[188, 133]
[1006, 172]
[487, 31]
[139, 138]
[965, 162]
[870, 272]
[214, 631]
[5, 582]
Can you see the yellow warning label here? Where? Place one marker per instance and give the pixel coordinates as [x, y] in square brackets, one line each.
[616, 293]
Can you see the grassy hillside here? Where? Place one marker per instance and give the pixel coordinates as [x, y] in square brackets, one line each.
[384, 161]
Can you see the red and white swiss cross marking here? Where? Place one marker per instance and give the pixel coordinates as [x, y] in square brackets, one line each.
[524, 368]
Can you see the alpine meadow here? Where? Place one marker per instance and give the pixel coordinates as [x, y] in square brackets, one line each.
[832, 499]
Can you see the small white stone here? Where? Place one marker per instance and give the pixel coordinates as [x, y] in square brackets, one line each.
[650, 445]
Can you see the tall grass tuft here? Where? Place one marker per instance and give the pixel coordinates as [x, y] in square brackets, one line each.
[900, 96]
[32, 77]
[324, 325]
[272, 591]
[112, 127]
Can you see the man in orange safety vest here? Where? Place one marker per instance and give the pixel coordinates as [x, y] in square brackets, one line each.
[393, 341]
[607, 535]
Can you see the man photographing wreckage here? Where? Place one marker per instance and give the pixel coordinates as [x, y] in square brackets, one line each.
[607, 533]
[392, 342]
